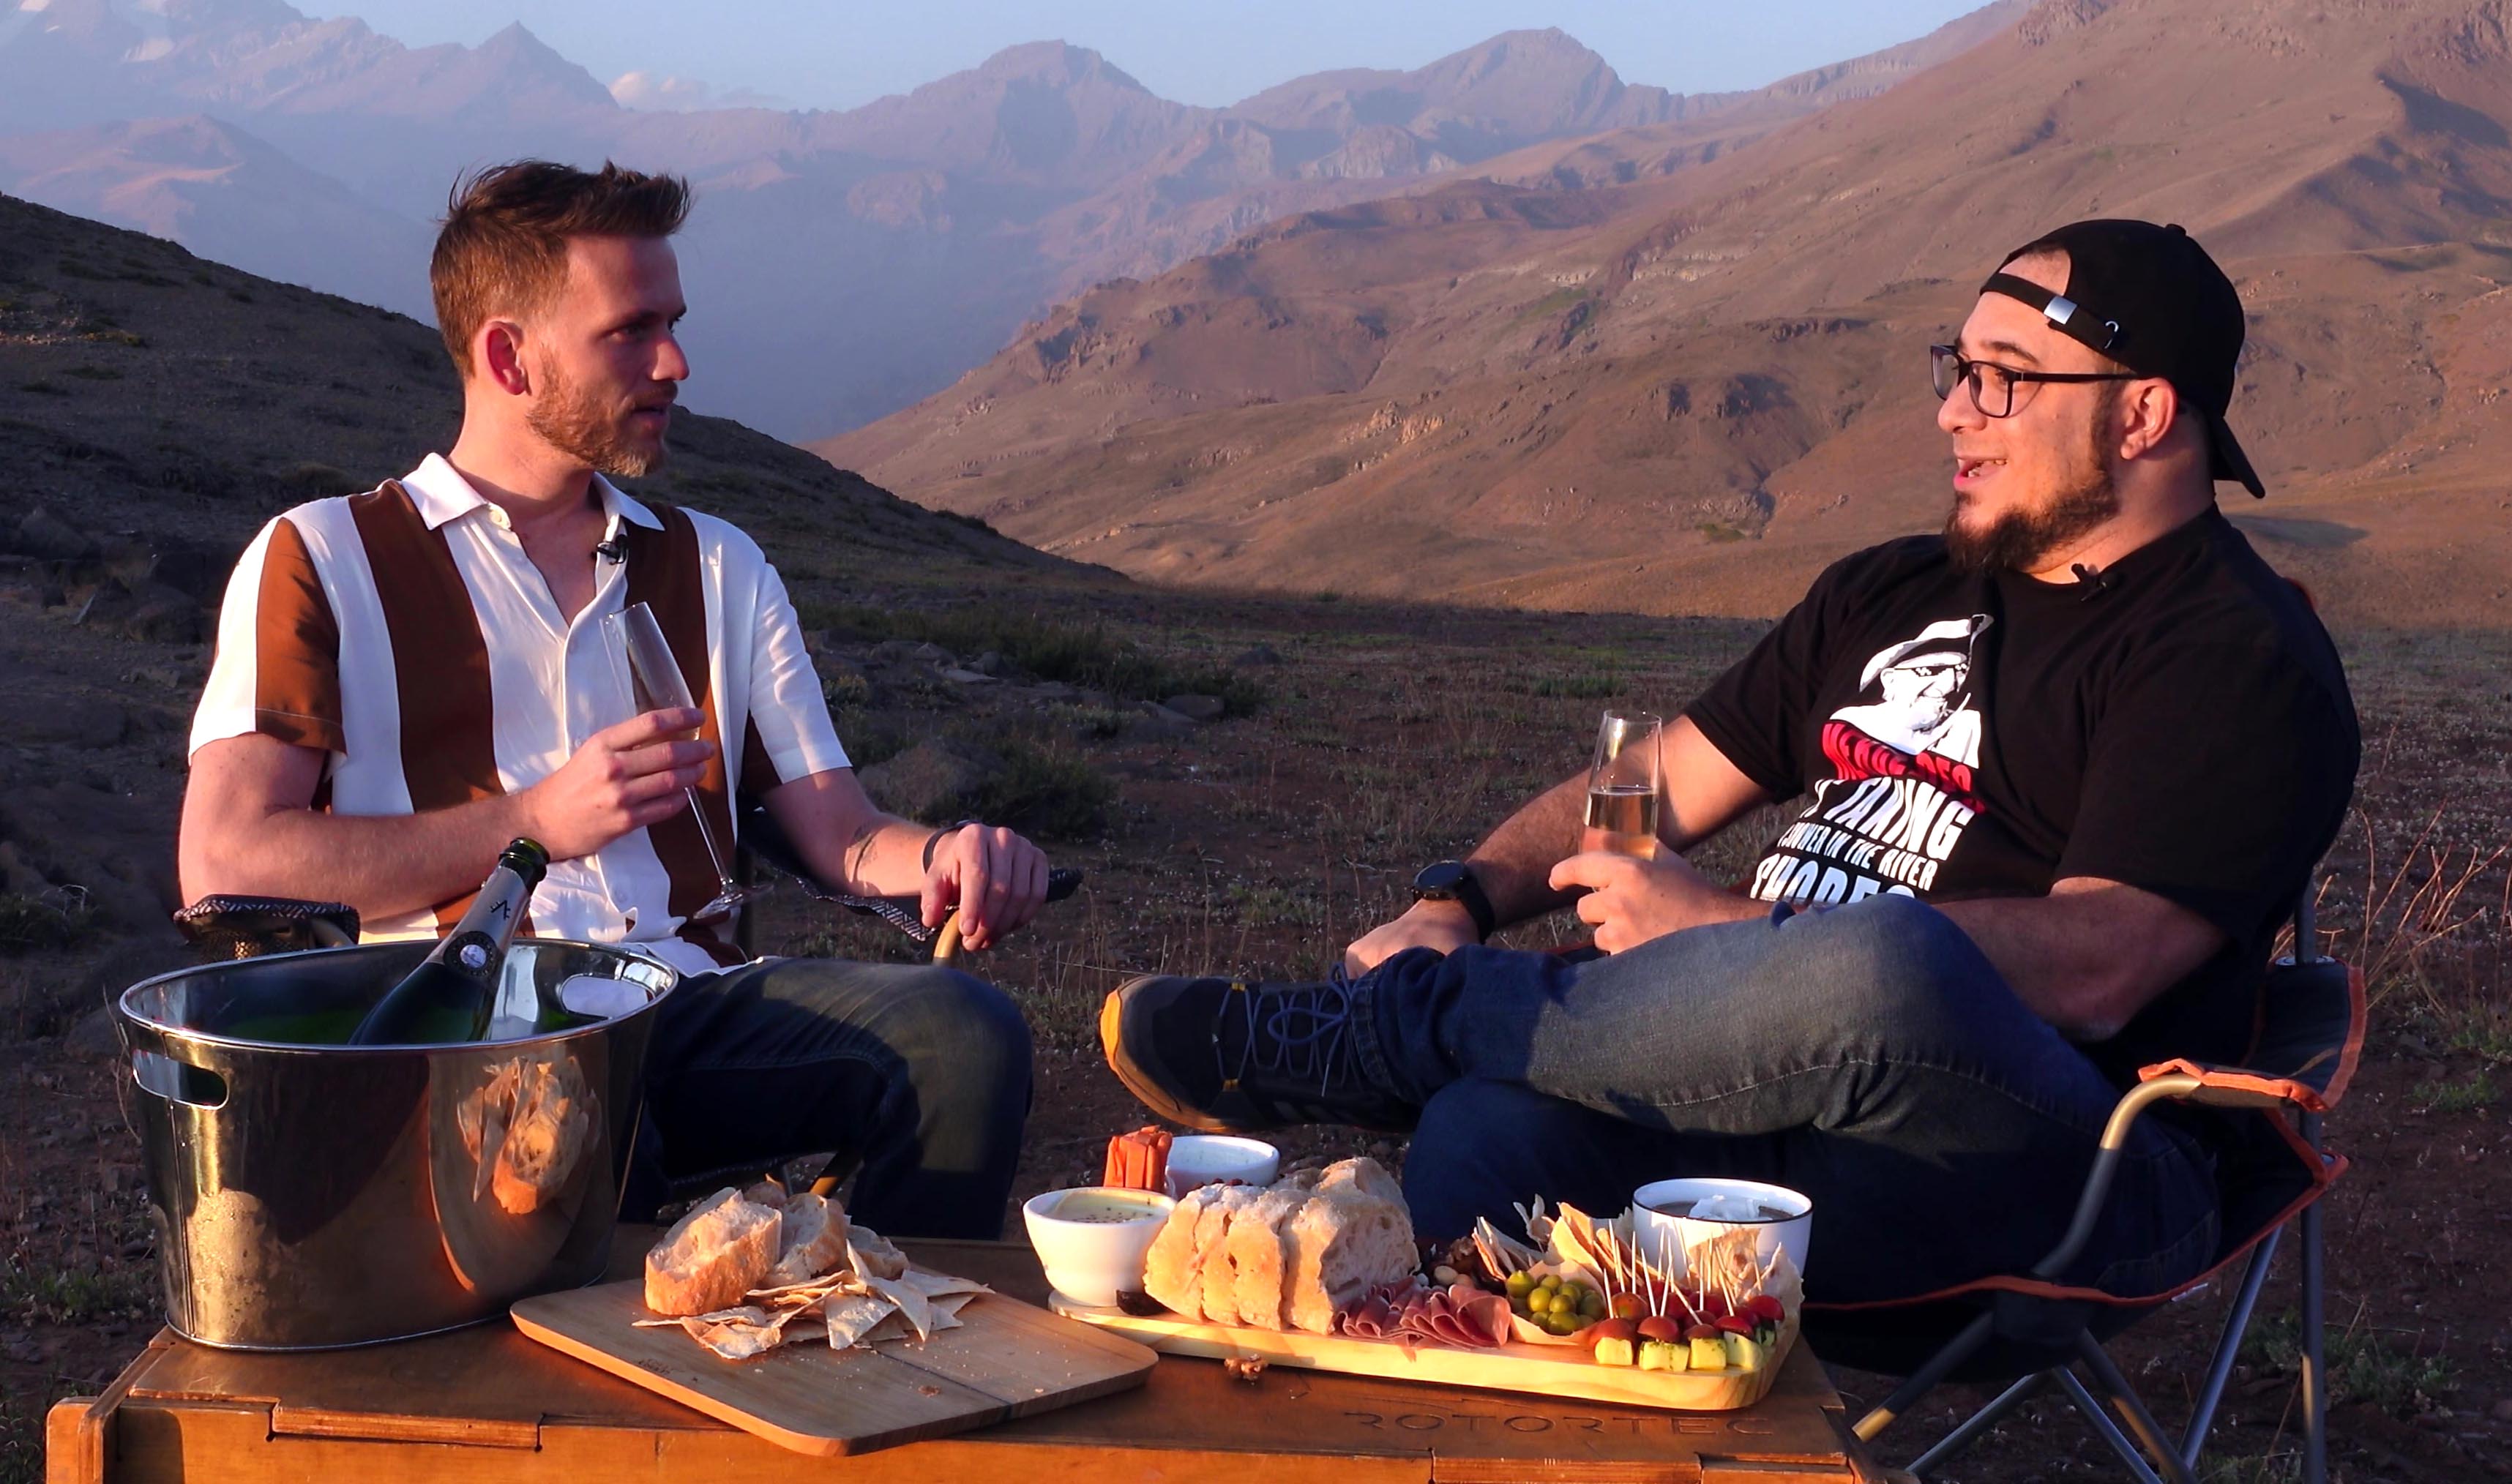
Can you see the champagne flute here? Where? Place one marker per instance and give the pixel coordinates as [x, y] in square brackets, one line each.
[658, 686]
[1623, 786]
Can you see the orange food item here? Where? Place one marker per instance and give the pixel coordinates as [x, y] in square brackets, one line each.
[1139, 1161]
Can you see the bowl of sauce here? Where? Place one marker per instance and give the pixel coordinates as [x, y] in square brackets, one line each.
[1201, 1159]
[1092, 1239]
[1675, 1216]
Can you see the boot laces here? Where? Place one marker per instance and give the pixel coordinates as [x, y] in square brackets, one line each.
[1292, 1035]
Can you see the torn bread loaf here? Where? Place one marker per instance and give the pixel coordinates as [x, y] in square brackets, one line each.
[1362, 1174]
[1288, 1256]
[1255, 1246]
[712, 1256]
[1353, 1233]
[813, 1239]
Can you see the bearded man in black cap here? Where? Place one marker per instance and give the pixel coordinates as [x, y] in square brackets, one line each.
[2070, 763]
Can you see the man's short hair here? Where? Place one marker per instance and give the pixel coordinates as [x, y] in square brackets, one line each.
[504, 245]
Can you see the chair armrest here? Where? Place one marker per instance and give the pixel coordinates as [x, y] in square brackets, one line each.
[2233, 1087]
[247, 927]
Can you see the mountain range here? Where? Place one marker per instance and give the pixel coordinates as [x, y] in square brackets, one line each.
[1686, 388]
[841, 264]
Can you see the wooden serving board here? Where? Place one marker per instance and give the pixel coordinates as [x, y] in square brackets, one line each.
[1007, 1359]
[1545, 1370]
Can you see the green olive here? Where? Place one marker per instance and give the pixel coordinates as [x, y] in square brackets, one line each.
[1521, 1283]
[1561, 1323]
[1550, 1280]
[1592, 1307]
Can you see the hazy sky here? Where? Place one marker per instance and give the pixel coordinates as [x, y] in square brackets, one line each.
[836, 53]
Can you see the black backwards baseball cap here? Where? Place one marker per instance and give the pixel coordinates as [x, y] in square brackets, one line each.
[2150, 299]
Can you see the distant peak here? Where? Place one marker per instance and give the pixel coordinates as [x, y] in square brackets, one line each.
[1549, 51]
[1551, 38]
[516, 37]
[1058, 61]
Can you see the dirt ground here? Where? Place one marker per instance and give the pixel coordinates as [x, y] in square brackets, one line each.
[1381, 738]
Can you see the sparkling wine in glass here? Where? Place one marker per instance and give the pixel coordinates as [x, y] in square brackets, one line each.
[656, 677]
[1623, 786]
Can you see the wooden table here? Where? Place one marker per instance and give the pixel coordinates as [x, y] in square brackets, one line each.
[485, 1405]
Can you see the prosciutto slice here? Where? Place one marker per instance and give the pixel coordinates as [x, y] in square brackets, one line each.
[1460, 1316]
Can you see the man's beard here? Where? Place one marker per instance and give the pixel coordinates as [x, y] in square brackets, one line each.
[2023, 539]
[571, 421]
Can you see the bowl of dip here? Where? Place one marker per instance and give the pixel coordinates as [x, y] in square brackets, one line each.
[1201, 1159]
[1673, 1216]
[1092, 1239]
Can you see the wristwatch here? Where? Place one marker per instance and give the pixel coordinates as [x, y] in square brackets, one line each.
[1454, 881]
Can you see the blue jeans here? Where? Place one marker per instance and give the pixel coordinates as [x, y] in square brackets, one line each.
[919, 1072]
[1867, 1055]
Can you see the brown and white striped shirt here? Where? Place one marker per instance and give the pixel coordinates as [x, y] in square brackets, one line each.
[405, 634]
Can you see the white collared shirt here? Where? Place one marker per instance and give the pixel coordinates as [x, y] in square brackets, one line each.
[346, 627]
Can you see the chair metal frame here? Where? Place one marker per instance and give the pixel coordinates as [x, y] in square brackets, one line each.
[2151, 1453]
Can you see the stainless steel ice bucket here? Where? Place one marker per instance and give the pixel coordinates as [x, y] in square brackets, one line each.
[310, 1196]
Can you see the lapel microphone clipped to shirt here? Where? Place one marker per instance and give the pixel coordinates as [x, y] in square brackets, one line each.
[2091, 582]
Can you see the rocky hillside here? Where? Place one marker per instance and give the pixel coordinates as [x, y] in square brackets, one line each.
[1688, 393]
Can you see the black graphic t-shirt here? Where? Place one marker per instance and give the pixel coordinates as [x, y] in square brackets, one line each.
[2180, 724]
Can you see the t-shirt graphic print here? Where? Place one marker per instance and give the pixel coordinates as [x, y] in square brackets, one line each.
[1904, 753]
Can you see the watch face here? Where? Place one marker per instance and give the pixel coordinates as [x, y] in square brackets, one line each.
[1440, 880]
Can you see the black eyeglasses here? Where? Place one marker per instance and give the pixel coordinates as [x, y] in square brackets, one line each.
[1992, 386]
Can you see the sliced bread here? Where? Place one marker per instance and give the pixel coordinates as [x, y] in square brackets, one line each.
[712, 1256]
[1218, 1294]
[1170, 1273]
[1255, 1246]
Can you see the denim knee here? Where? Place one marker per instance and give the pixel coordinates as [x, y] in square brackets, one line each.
[1882, 960]
[966, 1036]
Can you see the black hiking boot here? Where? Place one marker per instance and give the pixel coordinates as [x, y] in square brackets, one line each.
[1229, 1057]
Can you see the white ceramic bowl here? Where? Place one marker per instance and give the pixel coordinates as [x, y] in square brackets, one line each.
[1788, 1227]
[1198, 1159]
[1090, 1261]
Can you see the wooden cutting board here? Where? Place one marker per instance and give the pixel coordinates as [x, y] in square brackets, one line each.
[1545, 1370]
[1007, 1359]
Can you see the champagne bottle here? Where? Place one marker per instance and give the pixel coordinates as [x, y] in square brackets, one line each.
[451, 997]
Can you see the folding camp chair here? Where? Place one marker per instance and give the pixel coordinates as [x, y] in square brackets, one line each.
[2034, 1330]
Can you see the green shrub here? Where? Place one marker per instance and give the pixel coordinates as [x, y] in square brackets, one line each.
[1047, 792]
[2365, 1364]
[1587, 685]
[2444, 1097]
[56, 919]
[1083, 655]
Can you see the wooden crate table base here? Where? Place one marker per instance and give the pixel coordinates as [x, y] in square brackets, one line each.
[486, 1404]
